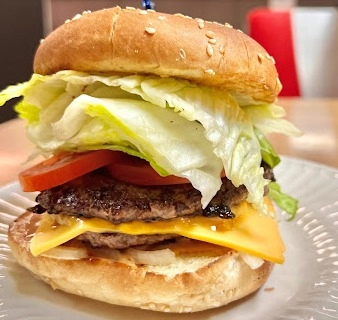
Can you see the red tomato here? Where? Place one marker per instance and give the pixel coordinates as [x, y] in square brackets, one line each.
[138, 171]
[63, 167]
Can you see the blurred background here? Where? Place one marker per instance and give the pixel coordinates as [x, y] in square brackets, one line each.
[24, 23]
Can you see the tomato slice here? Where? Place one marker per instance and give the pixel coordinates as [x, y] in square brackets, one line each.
[62, 168]
[138, 171]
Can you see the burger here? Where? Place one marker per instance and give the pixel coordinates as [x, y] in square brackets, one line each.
[158, 179]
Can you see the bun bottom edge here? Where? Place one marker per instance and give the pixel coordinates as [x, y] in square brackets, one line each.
[194, 282]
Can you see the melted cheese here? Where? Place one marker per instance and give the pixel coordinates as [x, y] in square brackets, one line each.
[248, 232]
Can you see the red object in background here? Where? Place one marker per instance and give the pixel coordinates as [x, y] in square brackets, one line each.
[273, 30]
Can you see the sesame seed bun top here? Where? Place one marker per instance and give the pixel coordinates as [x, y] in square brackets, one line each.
[133, 41]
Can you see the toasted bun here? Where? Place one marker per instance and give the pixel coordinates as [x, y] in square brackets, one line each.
[133, 41]
[198, 280]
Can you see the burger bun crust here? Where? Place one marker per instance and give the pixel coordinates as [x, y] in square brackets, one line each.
[198, 280]
[133, 41]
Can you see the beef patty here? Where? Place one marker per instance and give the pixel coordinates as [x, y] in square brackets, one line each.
[97, 194]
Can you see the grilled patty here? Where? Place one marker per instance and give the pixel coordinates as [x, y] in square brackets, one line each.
[123, 241]
[98, 195]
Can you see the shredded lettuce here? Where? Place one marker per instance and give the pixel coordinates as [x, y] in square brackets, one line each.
[180, 128]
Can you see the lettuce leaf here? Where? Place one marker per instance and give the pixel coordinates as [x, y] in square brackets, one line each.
[227, 127]
[283, 200]
[180, 128]
[268, 118]
[269, 155]
[13, 91]
[169, 142]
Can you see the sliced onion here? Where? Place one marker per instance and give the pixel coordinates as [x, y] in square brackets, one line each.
[66, 253]
[105, 253]
[251, 261]
[130, 256]
[154, 258]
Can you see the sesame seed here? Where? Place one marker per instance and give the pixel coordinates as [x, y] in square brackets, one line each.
[161, 18]
[199, 20]
[77, 16]
[67, 21]
[210, 50]
[212, 41]
[210, 34]
[143, 12]
[239, 30]
[42, 40]
[201, 25]
[183, 55]
[86, 12]
[270, 58]
[151, 10]
[179, 15]
[187, 17]
[130, 8]
[136, 51]
[279, 84]
[221, 49]
[150, 30]
[215, 22]
[260, 57]
[209, 71]
[228, 25]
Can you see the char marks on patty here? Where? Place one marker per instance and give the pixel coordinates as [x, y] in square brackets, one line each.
[98, 195]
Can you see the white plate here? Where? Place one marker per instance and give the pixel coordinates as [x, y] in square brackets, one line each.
[304, 287]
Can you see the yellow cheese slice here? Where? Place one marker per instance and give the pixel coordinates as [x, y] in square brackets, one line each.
[248, 232]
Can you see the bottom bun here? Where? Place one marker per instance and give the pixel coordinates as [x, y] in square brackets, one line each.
[201, 277]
